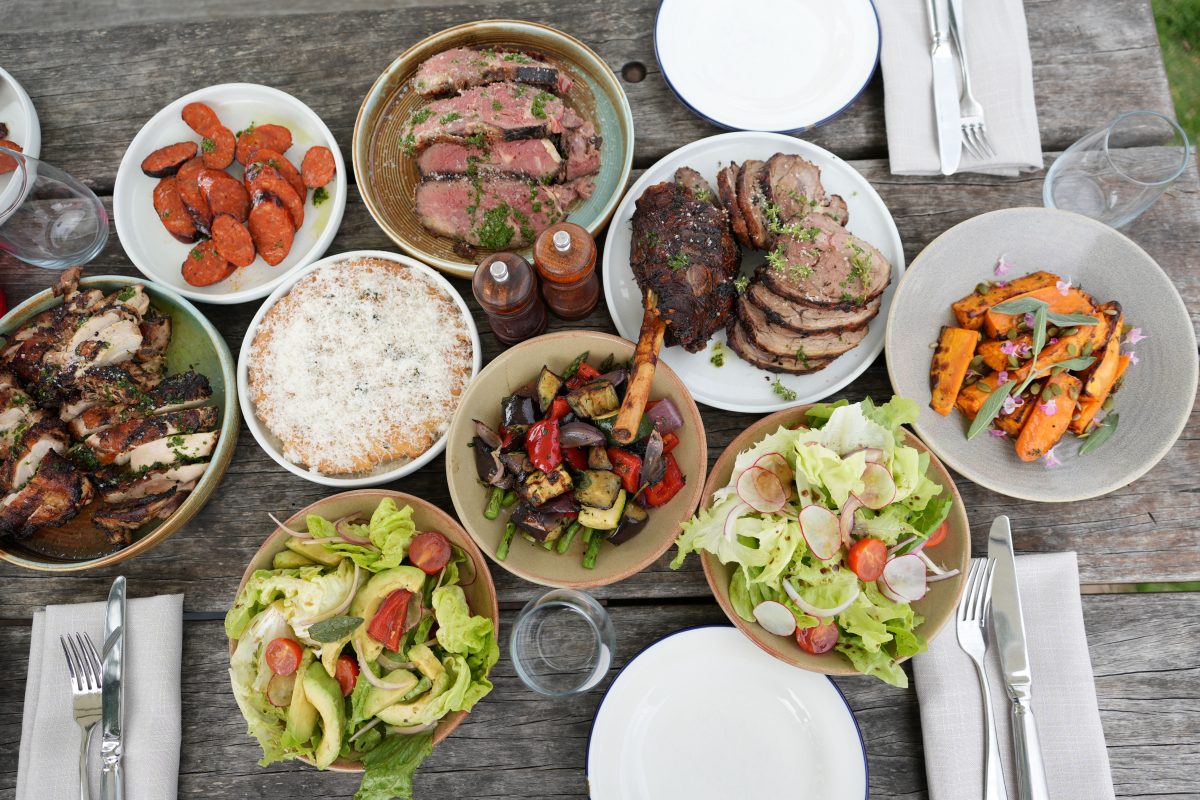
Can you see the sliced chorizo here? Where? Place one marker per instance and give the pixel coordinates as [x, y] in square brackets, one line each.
[232, 240]
[7, 162]
[318, 167]
[258, 137]
[204, 266]
[201, 118]
[218, 148]
[285, 167]
[271, 228]
[262, 178]
[167, 160]
[187, 180]
[225, 194]
[171, 211]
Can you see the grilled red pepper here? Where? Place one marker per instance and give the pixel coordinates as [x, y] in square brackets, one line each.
[541, 443]
[507, 437]
[628, 465]
[576, 458]
[661, 493]
[585, 373]
[559, 408]
[387, 626]
[670, 442]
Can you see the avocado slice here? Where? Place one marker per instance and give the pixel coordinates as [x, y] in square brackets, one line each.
[301, 713]
[603, 519]
[379, 699]
[369, 597]
[405, 714]
[426, 662]
[313, 552]
[326, 696]
[289, 559]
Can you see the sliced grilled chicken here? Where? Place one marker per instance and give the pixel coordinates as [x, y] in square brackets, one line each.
[177, 449]
[174, 393]
[43, 434]
[115, 444]
[51, 498]
[156, 335]
[184, 478]
[120, 521]
[16, 409]
[110, 337]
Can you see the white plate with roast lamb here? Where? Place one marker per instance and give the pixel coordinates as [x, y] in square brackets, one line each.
[774, 261]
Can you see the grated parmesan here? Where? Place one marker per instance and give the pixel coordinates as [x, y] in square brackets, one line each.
[360, 366]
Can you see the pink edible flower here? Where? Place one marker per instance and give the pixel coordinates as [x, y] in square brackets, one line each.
[1024, 349]
[1135, 336]
[1002, 377]
[1133, 358]
[1029, 320]
[999, 434]
[1051, 458]
[1002, 267]
[1063, 286]
[1009, 348]
[1050, 407]
[1053, 340]
[1009, 405]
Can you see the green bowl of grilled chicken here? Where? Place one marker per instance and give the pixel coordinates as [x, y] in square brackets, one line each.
[154, 436]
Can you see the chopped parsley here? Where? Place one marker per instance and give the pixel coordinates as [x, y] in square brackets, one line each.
[794, 229]
[650, 239]
[538, 107]
[448, 118]
[776, 259]
[741, 283]
[703, 195]
[420, 116]
[520, 58]
[497, 105]
[784, 392]
[408, 143]
[207, 145]
[477, 139]
[126, 293]
[249, 129]
[494, 233]
[860, 267]
[802, 357]
[320, 196]
[196, 254]
[718, 356]
[520, 91]
[678, 261]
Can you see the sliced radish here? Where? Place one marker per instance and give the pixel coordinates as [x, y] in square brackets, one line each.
[879, 490]
[889, 594]
[905, 577]
[777, 464]
[817, 611]
[873, 455]
[762, 490]
[731, 519]
[775, 618]
[821, 531]
[279, 690]
[846, 520]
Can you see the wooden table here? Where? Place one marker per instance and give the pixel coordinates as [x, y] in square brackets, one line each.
[98, 70]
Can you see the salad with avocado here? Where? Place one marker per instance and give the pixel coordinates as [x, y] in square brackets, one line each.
[829, 524]
[356, 643]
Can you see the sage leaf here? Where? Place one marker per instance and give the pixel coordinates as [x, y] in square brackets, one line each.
[1101, 435]
[1039, 331]
[334, 629]
[1022, 305]
[1069, 320]
[1076, 364]
[989, 409]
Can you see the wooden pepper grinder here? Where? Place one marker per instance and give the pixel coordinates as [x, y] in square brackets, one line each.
[565, 256]
[506, 286]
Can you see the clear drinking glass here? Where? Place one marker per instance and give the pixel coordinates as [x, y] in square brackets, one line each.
[1118, 171]
[48, 218]
[562, 643]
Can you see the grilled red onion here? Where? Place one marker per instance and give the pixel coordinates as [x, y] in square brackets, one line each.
[654, 465]
[665, 416]
[579, 434]
[280, 525]
[489, 436]
[616, 377]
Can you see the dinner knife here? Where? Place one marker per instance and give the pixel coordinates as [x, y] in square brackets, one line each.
[112, 782]
[945, 89]
[1014, 663]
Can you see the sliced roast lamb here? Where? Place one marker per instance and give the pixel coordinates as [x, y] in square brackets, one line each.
[496, 112]
[464, 67]
[808, 319]
[825, 265]
[537, 159]
[780, 341]
[495, 213]
[741, 344]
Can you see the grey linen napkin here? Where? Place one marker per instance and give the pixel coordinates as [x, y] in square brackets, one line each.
[1064, 695]
[49, 755]
[1001, 77]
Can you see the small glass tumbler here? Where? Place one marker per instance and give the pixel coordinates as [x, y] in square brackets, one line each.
[48, 218]
[1118, 171]
[562, 643]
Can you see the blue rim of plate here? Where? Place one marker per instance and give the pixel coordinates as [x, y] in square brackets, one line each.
[725, 126]
[857, 728]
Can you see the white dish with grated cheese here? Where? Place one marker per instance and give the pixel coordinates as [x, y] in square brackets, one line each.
[352, 369]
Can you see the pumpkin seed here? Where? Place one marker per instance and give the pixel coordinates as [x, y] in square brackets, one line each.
[981, 288]
[1047, 394]
[983, 386]
[1108, 404]
[1075, 417]
[1087, 349]
[1073, 349]
[1012, 362]
[1073, 392]
[1112, 312]
[1055, 389]
[1057, 370]
[1012, 334]
[1070, 331]
[1035, 388]
[976, 362]
[1052, 331]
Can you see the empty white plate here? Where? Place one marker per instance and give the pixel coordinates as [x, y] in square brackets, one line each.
[763, 65]
[706, 715]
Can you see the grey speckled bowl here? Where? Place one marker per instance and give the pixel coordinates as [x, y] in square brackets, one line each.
[1157, 395]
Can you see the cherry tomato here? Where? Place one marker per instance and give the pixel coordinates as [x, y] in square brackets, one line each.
[867, 558]
[939, 535]
[283, 655]
[818, 640]
[346, 674]
[430, 551]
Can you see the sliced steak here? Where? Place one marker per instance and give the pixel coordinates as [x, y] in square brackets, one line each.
[464, 67]
[809, 319]
[683, 250]
[780, 341]
[581, 143]
[824, 264]
[530, 158]
[752, 200]
[741, 344]
[499, 213]
[727, 180]
[496, 112]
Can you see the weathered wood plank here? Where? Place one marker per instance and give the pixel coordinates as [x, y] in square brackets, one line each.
[516, 744]
[98, 75]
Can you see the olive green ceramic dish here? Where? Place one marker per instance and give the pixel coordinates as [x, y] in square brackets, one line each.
[387, 177]
[195, 344]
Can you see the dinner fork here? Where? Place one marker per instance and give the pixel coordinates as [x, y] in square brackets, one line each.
[972, 622]
[974, 129]
[83, 662]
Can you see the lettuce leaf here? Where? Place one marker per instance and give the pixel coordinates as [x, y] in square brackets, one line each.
[389, 767]
[474, 637]
[249, 675]
[305, 592]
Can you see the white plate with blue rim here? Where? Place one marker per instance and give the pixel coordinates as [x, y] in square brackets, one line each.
[737, 385]
[706, 715]
[763, 65]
